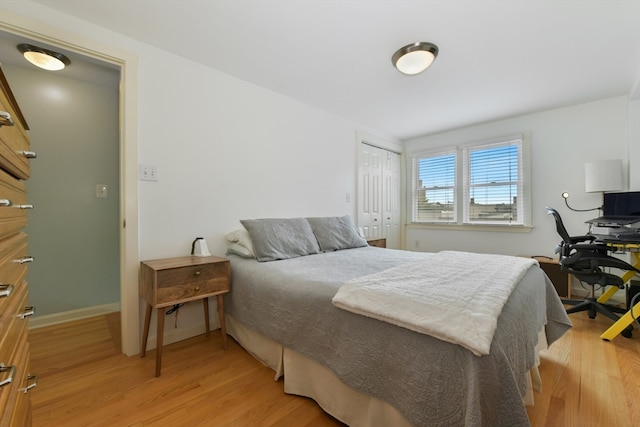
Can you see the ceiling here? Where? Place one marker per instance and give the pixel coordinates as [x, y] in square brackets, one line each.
[497, 58]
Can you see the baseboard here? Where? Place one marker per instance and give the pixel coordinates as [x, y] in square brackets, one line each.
[68, 316]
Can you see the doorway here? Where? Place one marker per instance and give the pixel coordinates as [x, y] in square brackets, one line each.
[123, 190]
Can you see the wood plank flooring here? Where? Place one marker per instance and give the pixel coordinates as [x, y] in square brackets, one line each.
[83, 380]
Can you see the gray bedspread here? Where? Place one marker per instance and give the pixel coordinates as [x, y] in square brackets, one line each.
[431, 382]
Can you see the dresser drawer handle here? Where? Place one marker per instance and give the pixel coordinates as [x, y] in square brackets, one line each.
[5, 290]
[5, 119]
[12, 372]
[197, 273]
[33, 378]
[23, 206]
[25, 260]
[28, 311]
[29, 154]
[197, 288]
[5, 202]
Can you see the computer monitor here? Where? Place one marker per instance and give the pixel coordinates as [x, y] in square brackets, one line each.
[622, 204]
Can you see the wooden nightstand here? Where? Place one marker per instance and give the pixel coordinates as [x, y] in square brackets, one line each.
[170, 281]
[380, 243]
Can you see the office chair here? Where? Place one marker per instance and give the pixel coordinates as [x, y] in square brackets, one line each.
[584, 259]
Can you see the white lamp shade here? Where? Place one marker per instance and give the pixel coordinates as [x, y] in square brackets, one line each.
[603, 175]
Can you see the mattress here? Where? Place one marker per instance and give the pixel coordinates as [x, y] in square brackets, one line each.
[426, 380]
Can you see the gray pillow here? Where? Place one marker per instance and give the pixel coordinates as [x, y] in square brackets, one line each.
[335, 233]
[280, 238]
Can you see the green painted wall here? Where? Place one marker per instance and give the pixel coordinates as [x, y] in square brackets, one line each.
[73, 235]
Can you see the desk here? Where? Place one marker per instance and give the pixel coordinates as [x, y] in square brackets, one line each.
[626, 319]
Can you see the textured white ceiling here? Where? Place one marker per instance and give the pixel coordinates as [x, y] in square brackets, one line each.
[497, 58]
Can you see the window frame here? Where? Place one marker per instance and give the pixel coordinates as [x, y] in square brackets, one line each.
[461, 203]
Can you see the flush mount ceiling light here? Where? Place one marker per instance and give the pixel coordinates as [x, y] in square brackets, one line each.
[414, 58]
[44, 58]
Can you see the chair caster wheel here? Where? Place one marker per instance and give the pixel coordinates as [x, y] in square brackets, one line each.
[627, 333]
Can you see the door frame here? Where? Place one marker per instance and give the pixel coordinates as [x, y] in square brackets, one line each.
[128, 118]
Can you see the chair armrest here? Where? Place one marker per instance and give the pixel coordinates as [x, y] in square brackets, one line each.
[578, 239]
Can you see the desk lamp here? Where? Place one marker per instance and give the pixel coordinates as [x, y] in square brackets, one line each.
[600, 176]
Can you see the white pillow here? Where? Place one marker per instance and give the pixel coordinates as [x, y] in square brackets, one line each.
[241, 236]
[240, 250]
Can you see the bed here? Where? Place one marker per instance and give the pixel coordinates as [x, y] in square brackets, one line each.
[363, 370]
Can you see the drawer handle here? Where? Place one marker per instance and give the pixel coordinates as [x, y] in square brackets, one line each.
[197, 273]
[197, 288]
[5, 290]
[33, 378]
[28, 311]
[5, 119]
[29, 154]
[8, 203]
[12, 373]
[25, 260]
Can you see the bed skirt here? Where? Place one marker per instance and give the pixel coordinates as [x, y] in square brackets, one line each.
[305, 377]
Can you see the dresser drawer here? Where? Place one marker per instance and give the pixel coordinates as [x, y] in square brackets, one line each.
[12, 272]
[13, 401]
[14, 216]
[12, 324]
[14, 140]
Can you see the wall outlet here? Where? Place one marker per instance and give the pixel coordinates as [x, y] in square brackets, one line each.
[148, 173]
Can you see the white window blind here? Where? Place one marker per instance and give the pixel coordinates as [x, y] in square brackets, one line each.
[434, 187]
[479, 183]
[493, 185]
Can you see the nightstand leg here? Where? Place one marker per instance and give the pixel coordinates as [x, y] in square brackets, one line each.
[205, 301]
[223, 328]
[145, 334]
[159, 338]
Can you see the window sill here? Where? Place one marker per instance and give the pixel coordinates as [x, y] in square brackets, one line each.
[472, 227]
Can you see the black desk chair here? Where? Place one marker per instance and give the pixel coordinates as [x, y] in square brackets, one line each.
[585, 260]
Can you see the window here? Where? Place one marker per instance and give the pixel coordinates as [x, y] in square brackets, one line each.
[479, 183]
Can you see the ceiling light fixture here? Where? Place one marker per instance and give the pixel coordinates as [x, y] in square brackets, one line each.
[414, 58]
[44, 58]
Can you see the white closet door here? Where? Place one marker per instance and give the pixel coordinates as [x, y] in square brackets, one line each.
[379, 194]
[369, 191]
[391, 198]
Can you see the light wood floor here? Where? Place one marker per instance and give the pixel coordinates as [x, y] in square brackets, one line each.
[83, 380]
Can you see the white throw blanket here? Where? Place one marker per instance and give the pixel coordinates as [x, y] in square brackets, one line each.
[454, 296]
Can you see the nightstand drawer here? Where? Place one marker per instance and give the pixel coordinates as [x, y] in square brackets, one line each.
[191, 274]
[168, 295]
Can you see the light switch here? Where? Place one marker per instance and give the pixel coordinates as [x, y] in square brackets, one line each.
[101, 191]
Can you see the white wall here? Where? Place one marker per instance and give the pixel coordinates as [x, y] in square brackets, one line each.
[228, 150]
[562, 141]
[225, 150]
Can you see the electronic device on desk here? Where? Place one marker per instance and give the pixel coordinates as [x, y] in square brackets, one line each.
[619, 210]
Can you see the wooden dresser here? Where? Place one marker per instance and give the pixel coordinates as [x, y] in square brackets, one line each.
[15, 379]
